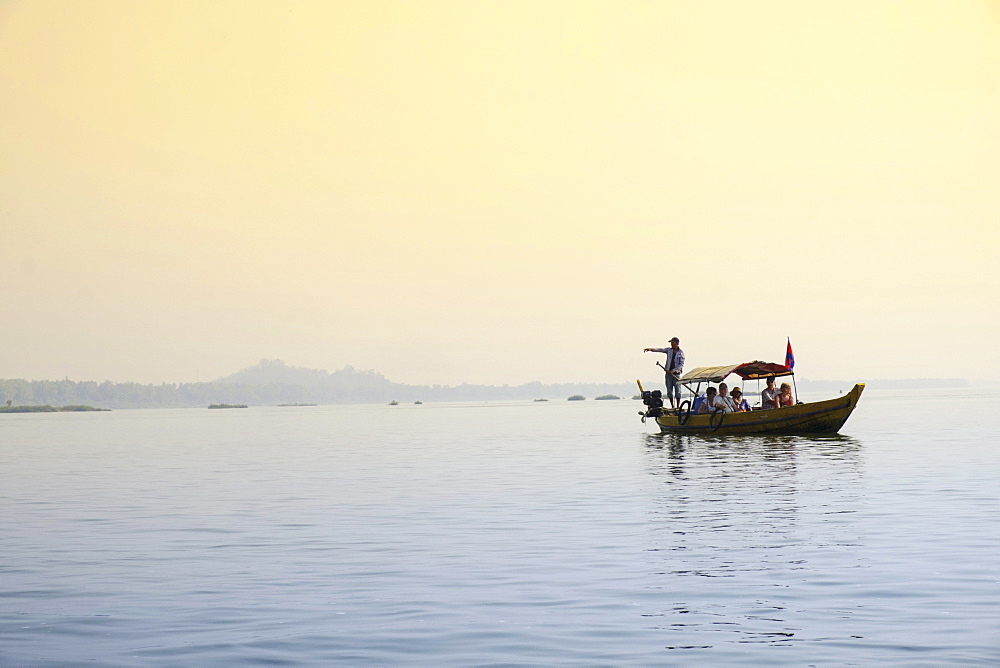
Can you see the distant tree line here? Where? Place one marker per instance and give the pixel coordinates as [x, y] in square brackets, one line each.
[255, 387]
[272, 382]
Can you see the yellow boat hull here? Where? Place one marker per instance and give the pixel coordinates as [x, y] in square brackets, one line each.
[818, 417]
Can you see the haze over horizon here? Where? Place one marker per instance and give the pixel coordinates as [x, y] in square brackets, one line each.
[652, 378]
[451, 192]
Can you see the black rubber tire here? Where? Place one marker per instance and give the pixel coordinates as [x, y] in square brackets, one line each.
[682, 412]
[712, 425]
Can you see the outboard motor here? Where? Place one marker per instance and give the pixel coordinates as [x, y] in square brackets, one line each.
[654, 402]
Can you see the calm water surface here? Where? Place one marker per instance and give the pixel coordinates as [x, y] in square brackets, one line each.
[500, 533]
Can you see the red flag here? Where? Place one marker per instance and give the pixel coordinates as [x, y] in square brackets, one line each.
[789, 356]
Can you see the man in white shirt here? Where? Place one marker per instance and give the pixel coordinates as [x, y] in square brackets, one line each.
[769, 397]
[672, 369]
[724, 401]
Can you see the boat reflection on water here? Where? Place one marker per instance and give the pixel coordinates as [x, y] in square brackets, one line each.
[748, 532]
[741, 449]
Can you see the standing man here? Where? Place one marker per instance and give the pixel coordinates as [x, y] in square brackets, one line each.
[673, 369]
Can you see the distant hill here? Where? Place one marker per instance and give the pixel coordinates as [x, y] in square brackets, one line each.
[350, 384]
[271, 372]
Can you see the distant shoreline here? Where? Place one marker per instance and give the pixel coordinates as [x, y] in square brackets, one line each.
[50, 409]
[273, 382]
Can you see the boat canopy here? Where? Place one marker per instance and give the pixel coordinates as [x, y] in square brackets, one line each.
[710, 374]
[757, 369]
[746, 371]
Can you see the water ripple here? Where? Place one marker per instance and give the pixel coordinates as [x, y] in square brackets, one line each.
[495, 535]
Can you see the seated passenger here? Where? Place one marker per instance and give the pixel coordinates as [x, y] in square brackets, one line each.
[724, 400]
[769, 397]
[709, 404]
[741, 404]
[785, 396]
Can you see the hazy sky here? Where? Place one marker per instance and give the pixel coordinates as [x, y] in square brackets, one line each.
[498, 192]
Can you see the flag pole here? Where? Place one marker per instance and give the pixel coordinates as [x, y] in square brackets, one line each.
[790, 355]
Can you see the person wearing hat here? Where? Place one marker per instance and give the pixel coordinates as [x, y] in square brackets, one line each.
[673, 369]
[742, 405]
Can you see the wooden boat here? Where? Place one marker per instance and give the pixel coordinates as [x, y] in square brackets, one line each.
[817, 417]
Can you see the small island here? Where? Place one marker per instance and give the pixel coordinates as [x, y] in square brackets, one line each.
[288, 405]
[227, 405]
[576, 397]
[49, 409]
[541, 399]
[607, 397]
[393, 403]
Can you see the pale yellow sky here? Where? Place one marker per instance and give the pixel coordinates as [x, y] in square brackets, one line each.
[498, 192]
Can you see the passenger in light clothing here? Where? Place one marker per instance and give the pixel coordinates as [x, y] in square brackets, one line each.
[710, 404]
[724, 401]
[769, 397]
